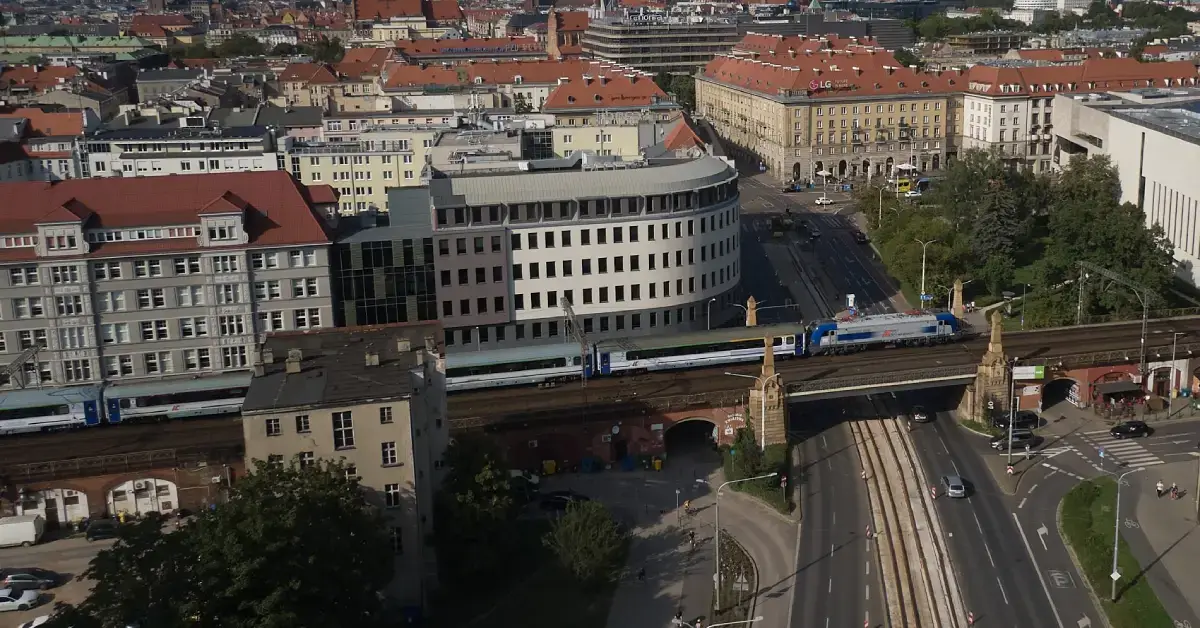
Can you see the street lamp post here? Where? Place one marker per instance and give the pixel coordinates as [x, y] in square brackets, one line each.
[1117, 533]
[1012, 407]
[762, 416]
[717, 524]
[735, 623]
[1174, 374]
[950, 295]
[708, 312]
[1024, 288]
[924, 249]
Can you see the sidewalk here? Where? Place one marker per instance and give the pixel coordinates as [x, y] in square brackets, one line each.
[1169, 539]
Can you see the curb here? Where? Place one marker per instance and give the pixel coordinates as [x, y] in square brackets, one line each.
[796, 493]
[753, 565]
[1075, 560]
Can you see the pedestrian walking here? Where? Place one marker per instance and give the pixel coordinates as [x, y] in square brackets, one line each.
[641, 574]
[1174, 491]
[1159, 488]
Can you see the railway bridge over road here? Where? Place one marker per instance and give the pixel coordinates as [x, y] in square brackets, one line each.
[608, 419]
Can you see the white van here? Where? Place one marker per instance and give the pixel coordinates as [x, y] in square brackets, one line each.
[24, 530]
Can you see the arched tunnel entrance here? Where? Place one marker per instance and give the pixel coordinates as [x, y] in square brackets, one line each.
[1061, 390]
[691, 451]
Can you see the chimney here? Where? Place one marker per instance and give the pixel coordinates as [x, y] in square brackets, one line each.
[857, 70]
[371, 359]
[268, 356]
[292, 364]
[792, 52]
[403, 345]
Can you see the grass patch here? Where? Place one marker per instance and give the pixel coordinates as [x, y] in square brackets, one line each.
[980, 426]
[768, 491]
[736, 599]
[1088, 518]
[537, 593]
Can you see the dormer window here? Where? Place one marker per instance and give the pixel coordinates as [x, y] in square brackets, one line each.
[570, 99]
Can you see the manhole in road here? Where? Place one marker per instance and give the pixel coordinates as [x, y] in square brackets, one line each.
[1061, 579]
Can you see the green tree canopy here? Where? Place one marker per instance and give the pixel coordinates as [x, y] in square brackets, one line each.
[293, 546]
[475, 512]
[328, 51]
[587, 541]
[240, 45]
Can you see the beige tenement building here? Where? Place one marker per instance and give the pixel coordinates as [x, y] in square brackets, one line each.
[375, 398]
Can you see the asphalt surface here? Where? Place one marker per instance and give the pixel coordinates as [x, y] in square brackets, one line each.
[1010, 561]
[837, 578]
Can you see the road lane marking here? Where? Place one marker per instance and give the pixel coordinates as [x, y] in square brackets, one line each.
[944, 448]
[824, 444]
[1032, 489]
[1022, 504]
[989, 554]
[955, 468]
[1042, 532]
[868, 567]
[1084, 623]
[1002, 592]
[830, 590]
[835, 518]
[868, 592]
[1041, 578]
[977, 524]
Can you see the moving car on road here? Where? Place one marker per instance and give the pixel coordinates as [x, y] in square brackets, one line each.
[860, 237]
[921, 415]
[824, 200]
[1020, 438]
[814, 233]
[14, 600]
[30, 578]
[954, 486]
[912, 194]
[1130, 429]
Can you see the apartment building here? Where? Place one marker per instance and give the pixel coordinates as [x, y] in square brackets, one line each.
[848, 109]
[655, 42]
[1152, 136]
[151, 143]
[350, 86]
[1012, 108]
[635, 247]
[363, 170]
[118, 279]
[612, 95]
[37, 145]
[380, 408]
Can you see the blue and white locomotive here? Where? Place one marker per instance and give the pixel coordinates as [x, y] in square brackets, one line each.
[625, 356]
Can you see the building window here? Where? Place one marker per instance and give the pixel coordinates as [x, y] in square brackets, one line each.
[391, 495]
[225, 264]
[389, 457]
[187, 265]
[302, 426]
[273, 428]
[307, 318]
[307, 459]
[63, 274]
[197, 359]
[233, 357]
[385, 415]
[77, 370]
[275, 460]
[352, 472]
[147, 268]
[343, 430]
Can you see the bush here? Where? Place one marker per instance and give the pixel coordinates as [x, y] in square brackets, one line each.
[745, 460]
[588, 542]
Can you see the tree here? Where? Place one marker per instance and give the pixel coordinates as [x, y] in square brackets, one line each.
[240, 45]
[293, 546]
[684, 88]
[587, 541]
[328, 51]
[285, 50]
[906, 57]
[521, 104]
[475, 513]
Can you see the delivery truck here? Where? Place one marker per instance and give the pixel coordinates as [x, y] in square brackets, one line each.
[24, 530]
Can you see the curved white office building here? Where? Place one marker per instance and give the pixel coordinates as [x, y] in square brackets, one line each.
[635, 249]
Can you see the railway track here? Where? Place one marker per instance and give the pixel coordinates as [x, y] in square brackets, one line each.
[192, 434]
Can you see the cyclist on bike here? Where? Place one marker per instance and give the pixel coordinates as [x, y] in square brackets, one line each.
[687, 506]
[692, 537]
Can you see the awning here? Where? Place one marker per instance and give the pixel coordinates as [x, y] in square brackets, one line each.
[1114, 388]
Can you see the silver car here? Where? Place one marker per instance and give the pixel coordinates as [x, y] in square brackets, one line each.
[954, 486]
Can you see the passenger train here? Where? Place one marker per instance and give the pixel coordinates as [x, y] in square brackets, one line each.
[40, 410]
[559, 363]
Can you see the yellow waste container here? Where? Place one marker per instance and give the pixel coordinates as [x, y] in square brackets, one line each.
[658, 464]
[548, 467]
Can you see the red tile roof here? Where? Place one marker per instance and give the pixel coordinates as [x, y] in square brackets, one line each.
[605, 90]
[540, 71]
[682, 137]
[277, 210]
[833, 74]
[37, 78]
[322, 194]
[1091, 75]
[364, 61]
[47, 124]
[307, 73]
[570, 21]
[167, 19]
[780, 49]
[367, 10]
[442, 10]
[485, 46]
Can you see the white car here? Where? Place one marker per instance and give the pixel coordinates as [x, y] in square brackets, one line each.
[824, 200]
[912, 194]
[14, 600]
[36, 621]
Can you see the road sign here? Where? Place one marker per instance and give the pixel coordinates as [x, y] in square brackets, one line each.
[1116, 575]
[850, 301]
[1029, 372]
[741, 583]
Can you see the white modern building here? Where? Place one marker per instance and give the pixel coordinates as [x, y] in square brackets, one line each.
[635, 248]
[1152, 136]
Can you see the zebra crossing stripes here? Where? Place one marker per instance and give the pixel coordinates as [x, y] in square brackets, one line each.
[1128, 452]
[1045, 452]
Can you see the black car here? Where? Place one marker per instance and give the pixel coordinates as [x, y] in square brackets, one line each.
[23, 579]
[558, 501]
[921, 415]
[1130, 429]
[860, 237]
[102, 529]
[1025, 419]
[814, 233]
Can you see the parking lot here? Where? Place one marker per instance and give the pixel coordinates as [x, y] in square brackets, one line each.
[69, 557]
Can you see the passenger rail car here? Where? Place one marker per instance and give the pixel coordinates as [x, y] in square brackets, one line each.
[683, 351]
[176, 399]
[514, 367]
[48, 409]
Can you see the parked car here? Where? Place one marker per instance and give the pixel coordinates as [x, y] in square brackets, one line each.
[102, 529]
[36, 621]
[558, 501]
[1024, 419]
[954, 486]
[1130, 429]
[28, 578]
[814, 233]
[861, 237]
[921, 415]
[1020, 438]
[912, 194]
[824, 200]
[14, 600]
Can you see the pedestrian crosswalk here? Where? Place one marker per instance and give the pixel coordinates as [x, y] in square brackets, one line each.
[1045, 452]
[1127, 452]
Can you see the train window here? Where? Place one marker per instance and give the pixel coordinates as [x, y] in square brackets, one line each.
[576, 361]
[790, 340]
[510, 367]
[34, 412]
